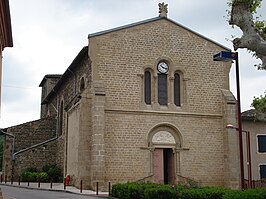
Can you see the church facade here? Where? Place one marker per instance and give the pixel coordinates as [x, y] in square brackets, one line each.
[144, 102]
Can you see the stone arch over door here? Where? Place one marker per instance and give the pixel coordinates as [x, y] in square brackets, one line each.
[165, 142]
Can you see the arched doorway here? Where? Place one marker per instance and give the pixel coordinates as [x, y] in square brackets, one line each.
[165, 140]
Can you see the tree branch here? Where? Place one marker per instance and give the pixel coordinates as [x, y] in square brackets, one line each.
[241, 16]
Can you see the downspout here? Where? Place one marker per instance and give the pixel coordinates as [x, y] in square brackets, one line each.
[35, 145]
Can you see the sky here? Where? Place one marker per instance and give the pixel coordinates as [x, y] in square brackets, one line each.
[48, 34]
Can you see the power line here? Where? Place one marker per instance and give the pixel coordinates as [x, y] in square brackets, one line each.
[20, 87]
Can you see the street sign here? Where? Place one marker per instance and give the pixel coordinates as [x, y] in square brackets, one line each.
[224, 56]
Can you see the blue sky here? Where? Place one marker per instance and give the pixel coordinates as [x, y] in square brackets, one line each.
[49, 34]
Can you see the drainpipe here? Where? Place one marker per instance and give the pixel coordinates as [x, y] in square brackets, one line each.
[35, 145]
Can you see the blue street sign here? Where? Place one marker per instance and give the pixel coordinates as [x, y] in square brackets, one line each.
[224, 56]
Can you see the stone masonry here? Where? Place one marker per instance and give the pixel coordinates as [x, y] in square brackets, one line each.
[107, 133]
[26, 156]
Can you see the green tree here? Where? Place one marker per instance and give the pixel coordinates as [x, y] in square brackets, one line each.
[259, 103]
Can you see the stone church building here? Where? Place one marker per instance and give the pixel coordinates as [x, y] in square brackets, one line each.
[141, 102]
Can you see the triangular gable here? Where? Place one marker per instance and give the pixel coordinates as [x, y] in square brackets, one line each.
[152, 20]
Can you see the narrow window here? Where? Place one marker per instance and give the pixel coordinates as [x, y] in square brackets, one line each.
[60, 121]
[177, 90]
[82, 85]
[262, 143]
[162, 89]
[262, 171]
[147, 87]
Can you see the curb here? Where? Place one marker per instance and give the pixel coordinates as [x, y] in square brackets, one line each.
[55, 190]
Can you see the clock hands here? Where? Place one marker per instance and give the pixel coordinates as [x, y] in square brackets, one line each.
[164, 67]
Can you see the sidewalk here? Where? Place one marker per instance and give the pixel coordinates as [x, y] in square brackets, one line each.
[55, 187]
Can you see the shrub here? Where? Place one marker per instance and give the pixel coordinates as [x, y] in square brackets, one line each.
[54, 172]
[120, 191]
[246, 194]
[134, 190]
[25, 176]
[202, 193]
[42, 177]
[34, 176]
[158, 191]
[31, 169]
[161, 192]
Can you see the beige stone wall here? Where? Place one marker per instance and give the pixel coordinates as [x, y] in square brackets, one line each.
[73, 143]
[119, 59]
[128, 160]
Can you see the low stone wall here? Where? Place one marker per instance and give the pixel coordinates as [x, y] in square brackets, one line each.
[26, 136]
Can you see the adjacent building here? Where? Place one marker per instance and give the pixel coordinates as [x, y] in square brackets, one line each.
[254, 122]
[5, 32]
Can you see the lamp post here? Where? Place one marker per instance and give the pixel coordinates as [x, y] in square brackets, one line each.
[248, 153]
[226, 56]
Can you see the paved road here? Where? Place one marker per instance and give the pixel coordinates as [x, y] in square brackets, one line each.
[22, 193]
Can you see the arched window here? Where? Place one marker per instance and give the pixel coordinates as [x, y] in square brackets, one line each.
[162, 89]
[82, 84]
[177, 89]
[147, 87]
[61, 118]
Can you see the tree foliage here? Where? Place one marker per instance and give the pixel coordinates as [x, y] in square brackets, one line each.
[259, 103]
[243, 15]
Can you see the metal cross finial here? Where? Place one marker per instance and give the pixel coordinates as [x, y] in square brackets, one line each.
[163, 9]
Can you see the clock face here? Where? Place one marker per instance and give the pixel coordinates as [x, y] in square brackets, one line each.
[162, 67]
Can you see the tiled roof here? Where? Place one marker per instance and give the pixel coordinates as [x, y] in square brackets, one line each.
[253, 115]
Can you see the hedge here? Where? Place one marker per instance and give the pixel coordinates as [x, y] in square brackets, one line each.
[133, 190]
[47, 173]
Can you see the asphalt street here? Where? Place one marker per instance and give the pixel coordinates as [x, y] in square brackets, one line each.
[21, 193]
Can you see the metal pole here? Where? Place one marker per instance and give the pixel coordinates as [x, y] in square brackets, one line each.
[64, 183]
[109, 188]
[249, 159]
[239, 123]
[97, 188]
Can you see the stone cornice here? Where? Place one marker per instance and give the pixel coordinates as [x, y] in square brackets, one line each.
[169, 113]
